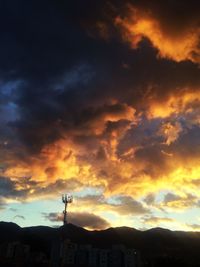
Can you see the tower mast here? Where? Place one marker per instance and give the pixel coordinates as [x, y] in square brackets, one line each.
[66, 199]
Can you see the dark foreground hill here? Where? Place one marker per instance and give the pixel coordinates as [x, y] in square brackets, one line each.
[153, 244]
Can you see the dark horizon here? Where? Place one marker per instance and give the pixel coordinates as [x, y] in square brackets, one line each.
[41, 245]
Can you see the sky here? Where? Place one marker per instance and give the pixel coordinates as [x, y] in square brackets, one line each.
[100, 99]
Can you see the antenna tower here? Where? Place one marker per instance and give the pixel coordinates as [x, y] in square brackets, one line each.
[66, 199]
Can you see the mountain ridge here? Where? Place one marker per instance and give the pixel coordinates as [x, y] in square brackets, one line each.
[152, 243]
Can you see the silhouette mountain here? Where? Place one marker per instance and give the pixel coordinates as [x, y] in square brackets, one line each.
[156, 242]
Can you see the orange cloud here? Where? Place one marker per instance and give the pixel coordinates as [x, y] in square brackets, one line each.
[95, 119]
[146, 166]
[65, 160]
[154, 220]
[179, 202]
[83, 219]
[170, 132]
[185, 101]
[140, 24]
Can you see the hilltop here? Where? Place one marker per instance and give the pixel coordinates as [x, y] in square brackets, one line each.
[153, 243]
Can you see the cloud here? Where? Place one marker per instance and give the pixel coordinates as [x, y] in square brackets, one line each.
[25, 189]
[195, 227]
[154, 220]
[19, 217]
[57, 187]
[128, 206]
[179, 202]
[170, 132]
[178, 42]
[149, 199]
[82, 219]
[13, 209]
[8, 189]
[91, 200]
[123, 205]
[2, 204]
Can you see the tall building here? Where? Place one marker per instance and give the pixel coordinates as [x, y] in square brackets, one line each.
[68, 253]
[73, 255]
[93, 257]
[131, 258]
[16, 250]
[116, 256]
[103, 257]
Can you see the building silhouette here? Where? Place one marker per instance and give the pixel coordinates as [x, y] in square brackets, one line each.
[66, 253]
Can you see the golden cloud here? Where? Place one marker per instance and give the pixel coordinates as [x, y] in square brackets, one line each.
[183, 101]
[154, 220]
[149, 166]
[66, 160]
[170, 132]
[140, 23]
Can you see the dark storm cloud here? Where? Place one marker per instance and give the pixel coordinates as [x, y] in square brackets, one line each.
[156, 146]
[82, 219]
[66, 71]
[161, 8]
[24, 188]
[188, 144]
[8, 189]
[145, 141]
[175, 15]
[172, 27]
[41, 45]
[37, 35]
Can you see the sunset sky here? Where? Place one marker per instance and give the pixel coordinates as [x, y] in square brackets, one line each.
[100, 99]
